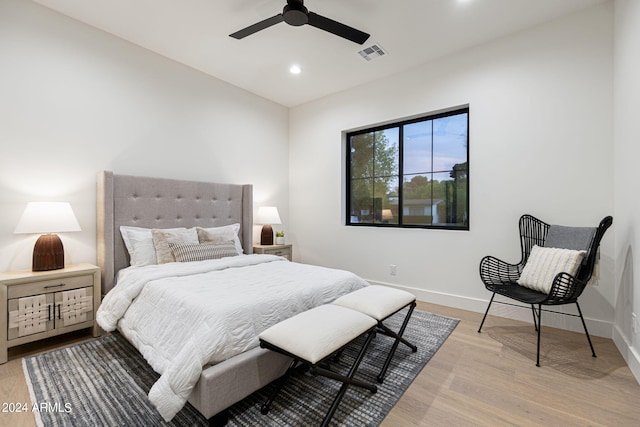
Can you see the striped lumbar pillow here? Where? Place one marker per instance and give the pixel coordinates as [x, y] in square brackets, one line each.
[544, 264]
[185, 252]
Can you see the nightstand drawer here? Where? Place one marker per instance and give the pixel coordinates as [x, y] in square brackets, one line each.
[47, 311]
[279, 252]
[284, 251]
[54, 285]
[30, 315]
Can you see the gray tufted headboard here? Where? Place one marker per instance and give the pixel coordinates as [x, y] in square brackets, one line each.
[163, 203]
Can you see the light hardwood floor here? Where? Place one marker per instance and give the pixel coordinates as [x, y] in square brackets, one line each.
[487, 379]
[490, 379]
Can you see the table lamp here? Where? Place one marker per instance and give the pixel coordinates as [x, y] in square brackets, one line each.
[48, 218]
[267, 215]
[387, 215]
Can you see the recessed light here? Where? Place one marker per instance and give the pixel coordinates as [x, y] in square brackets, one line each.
[295, 69]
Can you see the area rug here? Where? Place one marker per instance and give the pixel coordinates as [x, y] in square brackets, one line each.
[104, 382]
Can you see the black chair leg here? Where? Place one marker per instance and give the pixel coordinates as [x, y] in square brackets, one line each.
[486, 312]
[584, 325]
[535, 321]
[539, 329]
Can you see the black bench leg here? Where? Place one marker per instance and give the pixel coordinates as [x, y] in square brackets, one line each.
[264, 409]
[397, 341]
[348, 380]
[220, 419]
[388, 332]
[317, 370]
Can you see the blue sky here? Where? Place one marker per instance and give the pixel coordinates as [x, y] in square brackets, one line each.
[448, 136]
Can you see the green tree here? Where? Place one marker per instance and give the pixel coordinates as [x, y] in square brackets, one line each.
[460, 171]
[417, 188]
[374, 171]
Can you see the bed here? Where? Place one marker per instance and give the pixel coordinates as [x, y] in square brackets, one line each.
[231, 372]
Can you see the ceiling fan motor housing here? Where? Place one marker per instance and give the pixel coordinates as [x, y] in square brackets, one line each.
[295, 13]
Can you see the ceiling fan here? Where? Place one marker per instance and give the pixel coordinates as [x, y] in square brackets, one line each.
[296, 14]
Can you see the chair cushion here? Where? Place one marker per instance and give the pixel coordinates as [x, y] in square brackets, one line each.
[376, 301]
[544, 264]
[317, 333]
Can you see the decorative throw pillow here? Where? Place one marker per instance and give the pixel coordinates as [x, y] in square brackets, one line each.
[544, 264]
[139, 244]
[221, 234]
[162, 238]
[185, 252]
[578, 238]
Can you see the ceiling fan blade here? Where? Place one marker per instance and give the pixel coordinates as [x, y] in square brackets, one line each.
[257, 27]
[337, 28]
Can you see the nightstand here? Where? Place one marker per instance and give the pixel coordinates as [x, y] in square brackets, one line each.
[285, 251]
[40, 304]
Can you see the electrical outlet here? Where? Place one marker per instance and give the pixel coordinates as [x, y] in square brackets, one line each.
[393, 269]
[634, 323]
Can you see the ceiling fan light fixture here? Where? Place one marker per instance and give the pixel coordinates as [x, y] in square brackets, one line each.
[295, 69]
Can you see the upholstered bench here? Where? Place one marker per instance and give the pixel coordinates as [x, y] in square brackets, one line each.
[311, 338]
[380, 303]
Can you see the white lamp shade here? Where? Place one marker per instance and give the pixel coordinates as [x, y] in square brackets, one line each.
[47, 217]
[268, 215]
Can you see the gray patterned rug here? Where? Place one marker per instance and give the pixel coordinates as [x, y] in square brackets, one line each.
[104, 382]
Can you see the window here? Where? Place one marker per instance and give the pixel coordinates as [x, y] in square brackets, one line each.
[413, 173]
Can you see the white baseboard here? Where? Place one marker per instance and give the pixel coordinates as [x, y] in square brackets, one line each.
[596, 327]
[629, 354]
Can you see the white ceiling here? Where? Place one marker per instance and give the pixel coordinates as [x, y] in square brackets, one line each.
[196, 33]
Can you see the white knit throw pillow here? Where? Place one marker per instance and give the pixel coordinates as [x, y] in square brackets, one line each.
[544, 264]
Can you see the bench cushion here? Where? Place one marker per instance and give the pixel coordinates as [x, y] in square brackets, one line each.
[317, 333]
[376, 301]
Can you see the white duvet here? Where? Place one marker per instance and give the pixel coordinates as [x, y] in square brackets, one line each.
[182, 316]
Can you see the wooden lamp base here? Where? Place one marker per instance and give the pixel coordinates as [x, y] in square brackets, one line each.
[266, 237]
[48, 253]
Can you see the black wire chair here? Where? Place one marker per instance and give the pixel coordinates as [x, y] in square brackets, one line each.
[501, 277]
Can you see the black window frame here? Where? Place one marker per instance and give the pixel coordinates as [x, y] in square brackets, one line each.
[400, 173]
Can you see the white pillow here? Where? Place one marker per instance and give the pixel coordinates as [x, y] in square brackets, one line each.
[162, 239]
[544, 264]
[221, 234]
[139, 243]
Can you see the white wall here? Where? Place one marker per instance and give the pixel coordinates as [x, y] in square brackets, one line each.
[75, 100]
[540, 142]
[626, 177]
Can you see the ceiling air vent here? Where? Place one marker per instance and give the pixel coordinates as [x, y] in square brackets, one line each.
[372, 52]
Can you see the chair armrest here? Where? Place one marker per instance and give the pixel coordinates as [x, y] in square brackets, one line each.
[494, 271]
[565, 288]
